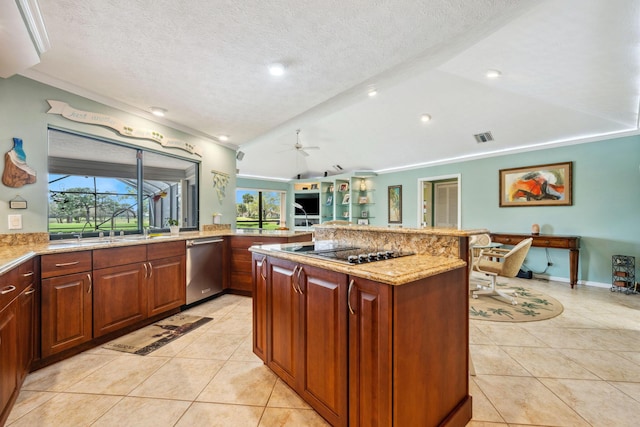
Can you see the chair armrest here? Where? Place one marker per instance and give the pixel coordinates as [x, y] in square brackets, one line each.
[492, 254]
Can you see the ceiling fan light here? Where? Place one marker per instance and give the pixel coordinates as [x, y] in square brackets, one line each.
[276, 69]
[223, 138]
[425, 118]
[372, 93]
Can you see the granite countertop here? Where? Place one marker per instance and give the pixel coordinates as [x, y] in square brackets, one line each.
[15, 254]
[395, 272]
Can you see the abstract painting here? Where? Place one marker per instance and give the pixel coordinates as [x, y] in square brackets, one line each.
[542, 185]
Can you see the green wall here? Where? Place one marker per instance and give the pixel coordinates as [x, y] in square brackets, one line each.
[605, 210]
[23, 114]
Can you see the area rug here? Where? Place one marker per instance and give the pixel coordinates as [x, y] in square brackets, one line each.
[152, 337]
[532, 306]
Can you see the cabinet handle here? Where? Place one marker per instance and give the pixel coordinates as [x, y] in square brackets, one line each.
[30, 291]
[262, 267]
[150, 270]
[28, 274]
[90, 283]
[293, 278]
[146, 270]
[67, 264]
[7, 289]
[349, 297]
[299, 288]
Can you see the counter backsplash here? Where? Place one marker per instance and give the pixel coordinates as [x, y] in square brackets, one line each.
[15, 239]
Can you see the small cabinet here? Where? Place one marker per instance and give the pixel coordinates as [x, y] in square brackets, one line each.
[120, 293]
[67, 294]
[307, 334]
[166, 277]
[259, 273]
[8, 357]
[370, 353]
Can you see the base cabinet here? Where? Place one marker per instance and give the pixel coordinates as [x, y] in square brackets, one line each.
[119, 298]
[8, 358]
[66, 312]
[363, 353]
[306, 331]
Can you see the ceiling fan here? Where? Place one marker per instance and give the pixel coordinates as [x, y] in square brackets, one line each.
[301, 148]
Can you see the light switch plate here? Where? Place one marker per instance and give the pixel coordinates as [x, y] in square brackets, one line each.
[15, 222]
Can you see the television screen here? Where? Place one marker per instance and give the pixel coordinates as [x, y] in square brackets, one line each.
[309, 202]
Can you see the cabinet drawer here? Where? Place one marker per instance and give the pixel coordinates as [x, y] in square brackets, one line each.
[550, 242]
[9, 287]
[111, 257]
[65, 263]
[166, 250]
[27, 273]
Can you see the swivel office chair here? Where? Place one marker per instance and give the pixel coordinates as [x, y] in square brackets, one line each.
[496, 262]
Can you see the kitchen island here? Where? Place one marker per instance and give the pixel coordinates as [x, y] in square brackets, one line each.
[374, 343]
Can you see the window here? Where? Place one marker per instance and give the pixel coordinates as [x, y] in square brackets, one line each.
[97, 185]
[260, 209]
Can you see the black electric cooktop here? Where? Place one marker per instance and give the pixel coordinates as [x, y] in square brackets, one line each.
[347, 254]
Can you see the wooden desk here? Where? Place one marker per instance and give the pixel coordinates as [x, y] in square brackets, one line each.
[572, 243]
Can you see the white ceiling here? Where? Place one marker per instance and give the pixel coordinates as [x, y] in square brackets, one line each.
[569, 73]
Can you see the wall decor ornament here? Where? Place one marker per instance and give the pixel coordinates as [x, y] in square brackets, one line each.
[220, 181]
[395, 204]
[98, 119]
[541, 185]
[16, 171]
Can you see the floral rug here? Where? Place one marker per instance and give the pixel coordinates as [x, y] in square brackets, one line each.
[532, 305]
[152, 337]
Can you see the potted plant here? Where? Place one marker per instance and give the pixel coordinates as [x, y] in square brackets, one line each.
[173, 225]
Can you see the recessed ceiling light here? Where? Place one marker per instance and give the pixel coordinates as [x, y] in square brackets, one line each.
[157, 111]
[223, 137]
[372, 93]
[276, 69]
[425, 118]
[493, 74]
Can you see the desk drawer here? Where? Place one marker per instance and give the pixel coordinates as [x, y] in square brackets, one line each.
[550, 242]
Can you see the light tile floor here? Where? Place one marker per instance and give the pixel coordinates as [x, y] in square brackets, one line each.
[581, 368]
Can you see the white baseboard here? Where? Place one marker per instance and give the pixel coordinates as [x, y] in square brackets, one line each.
[566, 280]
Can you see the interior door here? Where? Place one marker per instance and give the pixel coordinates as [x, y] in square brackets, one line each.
[446, 204]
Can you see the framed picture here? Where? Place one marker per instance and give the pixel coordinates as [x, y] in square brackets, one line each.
[330, 189]
[346, 198]
[344, 186]
[329, 199]
[542, 185]
[395, 204]
[363, 200]
[314, 186]
[363, 222]
[364, 214]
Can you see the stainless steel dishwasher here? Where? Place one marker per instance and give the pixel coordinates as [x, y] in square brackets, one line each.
[204, 268]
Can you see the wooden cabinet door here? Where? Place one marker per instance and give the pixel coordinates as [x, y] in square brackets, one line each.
[370, 353]
[120, 297]
[323, 359]
[167, 284]
[27, 312]
[259, 271]
[8, 358]
[284, 335]
[66, 312]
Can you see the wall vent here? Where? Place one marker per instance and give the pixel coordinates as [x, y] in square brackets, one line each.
[483, 137]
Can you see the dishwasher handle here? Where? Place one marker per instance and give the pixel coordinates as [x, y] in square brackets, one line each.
[191, 243]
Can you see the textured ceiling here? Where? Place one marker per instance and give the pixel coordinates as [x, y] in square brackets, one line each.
[570, 71]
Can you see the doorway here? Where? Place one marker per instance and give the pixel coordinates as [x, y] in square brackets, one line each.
[439, 201]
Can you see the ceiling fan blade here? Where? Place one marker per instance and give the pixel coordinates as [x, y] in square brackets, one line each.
[312, 148]
[304, 153]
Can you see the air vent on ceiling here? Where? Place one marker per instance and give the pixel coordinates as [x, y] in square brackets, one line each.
[483, 137]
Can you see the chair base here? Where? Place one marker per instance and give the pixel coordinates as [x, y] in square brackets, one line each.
[494, 292]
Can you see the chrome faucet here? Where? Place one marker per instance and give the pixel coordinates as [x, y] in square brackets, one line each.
[113, 216]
